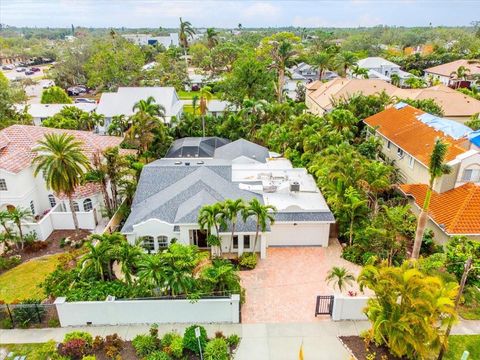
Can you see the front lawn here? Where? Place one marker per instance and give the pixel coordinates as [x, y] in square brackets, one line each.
[22, 282]
[188, 95]
[21, 349]
[457, 344]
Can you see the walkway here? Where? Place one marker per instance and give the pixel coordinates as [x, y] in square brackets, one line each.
[284, 286]
[259, 341]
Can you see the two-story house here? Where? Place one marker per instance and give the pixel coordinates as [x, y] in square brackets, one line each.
[445, 73]
[380, 68]
[408, 136]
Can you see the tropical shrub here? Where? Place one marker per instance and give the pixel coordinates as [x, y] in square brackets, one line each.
[7, 263]
[144, 345]
[113, 345]
[89, 357]
[216, 349]
[46, 351]
[158, 355]
[410, 310]
[29, 314]
[175, 348]
[55, 95]
[74, 349]
[248, 260]
[233, 340]
[190, 341]
[79, 335]
[458, 250]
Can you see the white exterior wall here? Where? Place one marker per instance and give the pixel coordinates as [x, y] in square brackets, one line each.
[122, 312]
[472, 162]
[349, 307]
[64, 220]
[445, 80]
[301, 234]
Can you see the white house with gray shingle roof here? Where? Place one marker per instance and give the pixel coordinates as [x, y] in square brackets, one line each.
[203, 171]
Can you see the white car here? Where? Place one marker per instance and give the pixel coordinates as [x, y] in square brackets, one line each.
[8, 67]
[20, 69]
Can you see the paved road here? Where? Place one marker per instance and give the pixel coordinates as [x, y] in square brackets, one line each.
[259, 341]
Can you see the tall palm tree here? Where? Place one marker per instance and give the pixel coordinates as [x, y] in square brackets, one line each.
[150, 270]
[97, 258]
[212, 37]
[345, 60]
[61, 160]
[150, 107]
[18, 215]
[354, 208]
[186, 31]
[4, 218]
[142, 131]
[340, 277]
[233, 208]
[460, 74]
[98, 175]
[436, 169]
[205, 96]
[212, 216]
[282, 52]
[263, 214]
[322, 61]
[128, 256]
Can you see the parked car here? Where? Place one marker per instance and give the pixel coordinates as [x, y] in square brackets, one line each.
[85, 101]
[35, 69]
[20, 69]
[29, 72]
[76, 90]
[8, 67]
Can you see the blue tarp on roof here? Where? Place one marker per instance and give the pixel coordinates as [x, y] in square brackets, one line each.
[474, 137]
[449, 127]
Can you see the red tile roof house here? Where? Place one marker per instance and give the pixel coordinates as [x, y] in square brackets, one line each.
[20, 188]
[408, 136]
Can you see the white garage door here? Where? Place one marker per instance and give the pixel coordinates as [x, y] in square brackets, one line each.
[306, 234]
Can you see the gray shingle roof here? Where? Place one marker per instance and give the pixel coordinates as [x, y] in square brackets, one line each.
[304, 216]
[242, 147]
[175, 194]
[192, 147]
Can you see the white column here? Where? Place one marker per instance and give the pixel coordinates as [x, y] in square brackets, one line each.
[263, 246]
[240, 245]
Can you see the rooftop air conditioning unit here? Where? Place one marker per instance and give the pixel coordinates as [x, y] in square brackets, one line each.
[294, 186]
[269, 188]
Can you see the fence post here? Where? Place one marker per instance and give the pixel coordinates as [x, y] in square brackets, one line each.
[10, 315]
[38, 314]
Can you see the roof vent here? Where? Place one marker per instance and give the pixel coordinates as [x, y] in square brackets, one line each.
[187, 163]
[201, 162]
[178, 163]
[294, 186]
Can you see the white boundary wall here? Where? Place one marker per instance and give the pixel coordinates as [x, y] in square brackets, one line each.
[121, 312]
[349, 307]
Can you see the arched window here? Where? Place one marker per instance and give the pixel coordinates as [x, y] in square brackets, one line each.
[75, 206]
[148, 243]
[87, 205]
[162, 241]
[32, 207]
[52, 200]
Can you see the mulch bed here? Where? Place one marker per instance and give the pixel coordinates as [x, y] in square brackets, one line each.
[53, 244]
[127, 353]
[357, 346]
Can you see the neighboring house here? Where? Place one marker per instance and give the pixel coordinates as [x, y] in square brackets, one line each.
[203, 171]
[455, 105]
[380, 68]
[40, 112]
[443, 72]
[147, 39]
[20, 188]
[408, 136]
[123, 101]
[219, 107]
[304, 73]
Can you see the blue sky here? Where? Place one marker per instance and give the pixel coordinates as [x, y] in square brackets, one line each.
[250, 13]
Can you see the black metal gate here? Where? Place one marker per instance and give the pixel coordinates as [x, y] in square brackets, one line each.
[324, 305]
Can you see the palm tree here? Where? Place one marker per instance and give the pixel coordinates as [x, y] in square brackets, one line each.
[322, 61]
[360, 72]
[4, 218]
[150, 107]
[220, 277]
[232, 208]
[98, 175]
[282, 52]
[97, 258]
[142, 131]
[395, 79]
[345, 60]
[354, 208]
[118, 126]
[436, 168]
[18, 215]
[263, 215]
[212, 216]
[128, 256]
[195, 99]
[212, 37]
[205, 97]
[61, 160]
[186, 31]
[340, 277]
[150, 270]
[460, 74]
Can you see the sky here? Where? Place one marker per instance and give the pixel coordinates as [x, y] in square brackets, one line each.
[228, 14]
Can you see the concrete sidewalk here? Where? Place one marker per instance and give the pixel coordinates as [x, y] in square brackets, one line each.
[259, 341]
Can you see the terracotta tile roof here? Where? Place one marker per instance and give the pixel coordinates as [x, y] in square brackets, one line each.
[83, 191]
[456, 210]
[17, 142]
[453, 103]
[448, 68]
[402, 128]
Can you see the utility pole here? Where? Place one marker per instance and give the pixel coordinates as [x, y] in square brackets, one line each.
[468, 265]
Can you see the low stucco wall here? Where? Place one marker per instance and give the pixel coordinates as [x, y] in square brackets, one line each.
[159, 311]
[349, 307]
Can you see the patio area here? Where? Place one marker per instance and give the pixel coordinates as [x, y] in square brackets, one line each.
[284, 286]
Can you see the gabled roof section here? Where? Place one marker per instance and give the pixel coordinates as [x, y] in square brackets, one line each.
[195, 147]
[242, 147]
[457, 211]
[403, 127]
[448, 68]
[19, 142]
[375, 62]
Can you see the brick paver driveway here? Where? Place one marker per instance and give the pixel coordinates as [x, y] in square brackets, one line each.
[284, 286]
